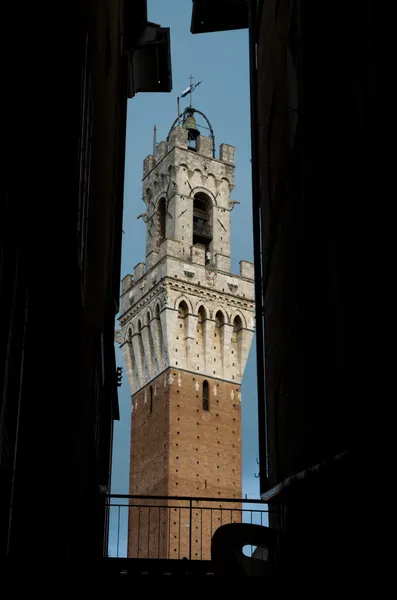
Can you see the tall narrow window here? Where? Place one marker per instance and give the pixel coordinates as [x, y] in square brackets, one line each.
[202, 220]
[161, 221]
[236, 345]
[151, 399]
[206, 395]
[182, 329]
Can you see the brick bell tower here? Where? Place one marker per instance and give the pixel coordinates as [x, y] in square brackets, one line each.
[186, 329]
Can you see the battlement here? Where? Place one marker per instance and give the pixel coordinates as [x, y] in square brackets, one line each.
[194, 269]
[178, 138]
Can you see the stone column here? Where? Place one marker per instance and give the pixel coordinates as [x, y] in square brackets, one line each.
[147, 348]
[155, 328]
[129, 361]
[169, 317]
[136, 344]
[209, 326]
[226, 348]
[192, 321]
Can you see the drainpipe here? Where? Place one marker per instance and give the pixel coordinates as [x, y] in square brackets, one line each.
[256, 217]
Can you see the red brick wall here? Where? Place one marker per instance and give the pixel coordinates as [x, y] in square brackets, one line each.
[179, 449]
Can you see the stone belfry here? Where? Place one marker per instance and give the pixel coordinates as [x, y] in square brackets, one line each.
[186, 329]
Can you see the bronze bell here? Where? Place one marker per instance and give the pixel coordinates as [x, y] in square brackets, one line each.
[191, 126]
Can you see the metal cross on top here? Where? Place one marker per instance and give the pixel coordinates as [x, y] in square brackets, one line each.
[190, 89]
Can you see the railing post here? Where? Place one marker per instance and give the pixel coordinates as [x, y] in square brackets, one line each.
[190, 528]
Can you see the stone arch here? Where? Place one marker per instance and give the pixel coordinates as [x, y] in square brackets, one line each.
[148, 316]
[211, 177]
[236, 345]
[183, 309]
[202, 312]
[197, 306]
[203, 190]
[197, 178]
[219, 317]
[129, 333]
[219, 308]
[238, 313]
[182, 330]
[160, 220]
[159, 196]
[184, 298]
[202, 225]
[238, 324]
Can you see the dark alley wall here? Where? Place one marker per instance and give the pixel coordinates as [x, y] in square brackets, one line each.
[61, 220]
[319, 148]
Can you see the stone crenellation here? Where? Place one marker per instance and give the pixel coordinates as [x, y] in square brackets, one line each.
[202, 322]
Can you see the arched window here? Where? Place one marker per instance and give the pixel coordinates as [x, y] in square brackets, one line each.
[202, 220]
[206, 395]
[183, 310]
[151, 399]
[202, 315]
[158, 350]
[237, 326]
[219, 319]
[161, 221]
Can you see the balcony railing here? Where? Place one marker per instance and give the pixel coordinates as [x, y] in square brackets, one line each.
[148, 534]
[157, 527]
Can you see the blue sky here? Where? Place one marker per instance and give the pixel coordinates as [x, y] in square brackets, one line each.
[220, 62]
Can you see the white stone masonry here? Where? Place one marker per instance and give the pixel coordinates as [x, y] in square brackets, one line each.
[184, 308]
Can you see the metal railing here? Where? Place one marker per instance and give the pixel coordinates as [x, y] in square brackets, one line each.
[177, 527]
